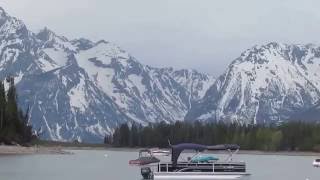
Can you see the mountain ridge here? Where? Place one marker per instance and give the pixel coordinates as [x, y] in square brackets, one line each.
[81, 90]
[266, 84]
[77, 89]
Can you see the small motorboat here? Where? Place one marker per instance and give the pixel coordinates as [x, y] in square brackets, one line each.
[316, 163]
[160, 152]
[145, 157]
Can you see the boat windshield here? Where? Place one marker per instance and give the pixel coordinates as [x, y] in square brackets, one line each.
[145, 153]
[317, 160]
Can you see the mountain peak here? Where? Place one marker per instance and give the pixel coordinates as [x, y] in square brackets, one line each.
[266, 84]
[274, 44]
[47, 34]
[46, 30]
[82, 43]
[102, 42]
[3, 12]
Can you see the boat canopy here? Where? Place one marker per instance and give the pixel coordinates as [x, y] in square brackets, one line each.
[177, 149]
[223, 147]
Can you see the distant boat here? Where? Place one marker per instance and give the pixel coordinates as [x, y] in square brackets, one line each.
[145, 157]
[316, 163]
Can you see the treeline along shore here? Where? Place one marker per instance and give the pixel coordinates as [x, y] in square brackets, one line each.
[290, 136]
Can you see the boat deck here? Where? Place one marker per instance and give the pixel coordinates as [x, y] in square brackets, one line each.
[199, 176]
[237, 167]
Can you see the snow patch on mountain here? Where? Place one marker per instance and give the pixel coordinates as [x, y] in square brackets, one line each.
[78, 97]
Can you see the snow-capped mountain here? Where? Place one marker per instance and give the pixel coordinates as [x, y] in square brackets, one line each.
[197, 83]
[79, 89]
[266, 84]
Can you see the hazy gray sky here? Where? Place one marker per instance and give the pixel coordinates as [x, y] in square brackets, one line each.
[202, 34]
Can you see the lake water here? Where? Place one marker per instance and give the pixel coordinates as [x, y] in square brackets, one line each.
[113, 165]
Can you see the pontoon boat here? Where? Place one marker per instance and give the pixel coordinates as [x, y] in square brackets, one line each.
[197, 167]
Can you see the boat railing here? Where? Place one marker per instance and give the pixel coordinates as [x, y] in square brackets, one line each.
[214, 166]
[230, 155]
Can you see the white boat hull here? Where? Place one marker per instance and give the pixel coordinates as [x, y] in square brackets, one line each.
[316, 163]
[198, 176]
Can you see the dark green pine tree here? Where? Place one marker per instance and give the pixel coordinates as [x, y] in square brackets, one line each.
[124, 132]
[13, 122]
[3, 103]
[12, 111]
[12, 107]
[134, 136]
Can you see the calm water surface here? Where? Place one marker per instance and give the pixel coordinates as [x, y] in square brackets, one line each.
[113, 165]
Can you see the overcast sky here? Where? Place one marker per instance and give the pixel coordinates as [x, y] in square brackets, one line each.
[202, 34]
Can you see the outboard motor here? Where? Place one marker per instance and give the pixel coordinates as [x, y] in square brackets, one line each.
[146, 173]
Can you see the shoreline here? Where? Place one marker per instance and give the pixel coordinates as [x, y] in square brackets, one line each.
[279, 153]
[58, 149]
[21, 150]
[244, 152]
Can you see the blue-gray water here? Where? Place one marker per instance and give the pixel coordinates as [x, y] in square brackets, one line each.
[113, 165]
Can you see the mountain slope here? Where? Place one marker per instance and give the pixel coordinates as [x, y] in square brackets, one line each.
[266, 84]
[79, 89]
[310, 115]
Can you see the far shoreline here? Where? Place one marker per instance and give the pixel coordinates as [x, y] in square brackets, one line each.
[53, 147]
[244, 152]
[23, 150]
